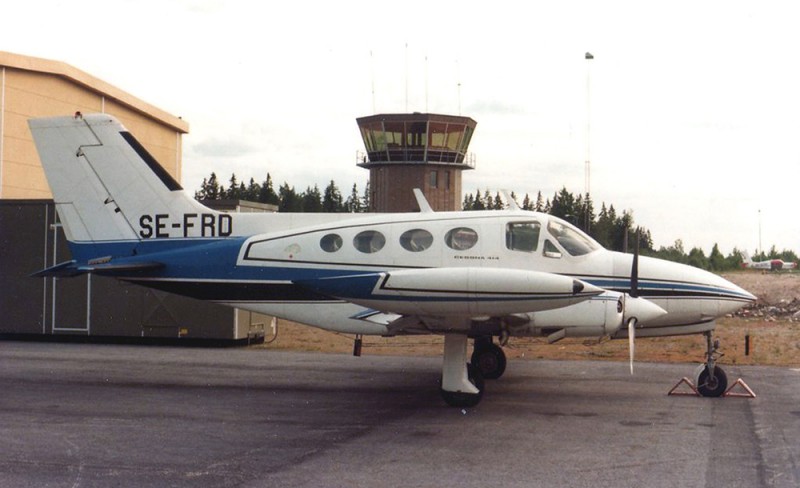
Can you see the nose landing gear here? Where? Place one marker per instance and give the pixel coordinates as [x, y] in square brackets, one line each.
[711, 380]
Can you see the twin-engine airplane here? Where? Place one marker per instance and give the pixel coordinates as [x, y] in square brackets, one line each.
[464, 275]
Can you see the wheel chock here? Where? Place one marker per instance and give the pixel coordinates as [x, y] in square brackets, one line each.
[684, 381]
[748, 393]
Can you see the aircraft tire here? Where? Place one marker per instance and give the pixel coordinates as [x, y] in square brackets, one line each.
[466, 400]
[490, 360]
[712, 389]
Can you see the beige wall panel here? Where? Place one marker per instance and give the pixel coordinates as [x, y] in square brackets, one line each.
[15, 126]
[44, 95]
[24, 181]
[32, 94]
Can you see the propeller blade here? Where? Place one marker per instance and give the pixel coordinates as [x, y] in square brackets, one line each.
[631, 339]
[635, 269]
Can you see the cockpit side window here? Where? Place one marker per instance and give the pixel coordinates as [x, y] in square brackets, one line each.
[523, 236]
[575, 242]
[550, 249]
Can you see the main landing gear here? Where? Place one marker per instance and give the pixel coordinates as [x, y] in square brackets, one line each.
[462, 382]
[489, 358]
[711, 380]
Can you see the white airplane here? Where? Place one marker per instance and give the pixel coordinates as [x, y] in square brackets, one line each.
[482, 275]
[770, 264]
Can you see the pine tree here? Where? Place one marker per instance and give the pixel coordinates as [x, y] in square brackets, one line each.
[267, 193]
[353, 202]
[366, 202]
[539, 206]
[526, 203]
[311, 200]
[233, 190]
[332, 199]
[289, 200]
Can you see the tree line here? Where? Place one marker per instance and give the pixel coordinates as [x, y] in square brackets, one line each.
[612, 229]
[287, 199]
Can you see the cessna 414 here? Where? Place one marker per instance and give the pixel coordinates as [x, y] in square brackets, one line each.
[463, 275]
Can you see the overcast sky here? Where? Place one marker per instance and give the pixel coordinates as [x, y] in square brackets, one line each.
[693, 107]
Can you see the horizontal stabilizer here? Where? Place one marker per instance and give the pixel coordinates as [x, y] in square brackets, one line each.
[61, 270]
[69, 269]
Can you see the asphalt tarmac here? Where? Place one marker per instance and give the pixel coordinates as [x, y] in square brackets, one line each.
[75, 415]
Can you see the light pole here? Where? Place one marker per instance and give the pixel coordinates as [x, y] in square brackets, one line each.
[587, 168]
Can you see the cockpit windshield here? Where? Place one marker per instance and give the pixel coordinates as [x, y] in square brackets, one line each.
[575, 242]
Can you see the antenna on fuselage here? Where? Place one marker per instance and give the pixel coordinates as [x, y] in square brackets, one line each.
[422, 202]
[512, 204]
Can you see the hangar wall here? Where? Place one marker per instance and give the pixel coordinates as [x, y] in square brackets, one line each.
[96, 306]
[34, 87]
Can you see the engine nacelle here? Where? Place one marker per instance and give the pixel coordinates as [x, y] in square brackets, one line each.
[599, 316]
[456, 292]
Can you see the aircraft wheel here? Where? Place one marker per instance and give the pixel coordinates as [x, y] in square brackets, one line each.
[466, 400]
[490, 360]
[712, 388]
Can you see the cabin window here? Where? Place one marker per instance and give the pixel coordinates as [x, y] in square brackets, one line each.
[523, 236]
[369, 241]
[330, 242]
[461, 238]
[416, 240]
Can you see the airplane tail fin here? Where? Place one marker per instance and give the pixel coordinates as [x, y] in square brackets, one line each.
[746, 257]
[106, 186]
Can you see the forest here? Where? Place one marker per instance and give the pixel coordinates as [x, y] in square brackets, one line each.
[613, 230]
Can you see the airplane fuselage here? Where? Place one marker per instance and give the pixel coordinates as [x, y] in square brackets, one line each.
[274, 272]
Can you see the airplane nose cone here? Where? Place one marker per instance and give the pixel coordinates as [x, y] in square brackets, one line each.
[742, 298]
[642, 310]
[579, 286]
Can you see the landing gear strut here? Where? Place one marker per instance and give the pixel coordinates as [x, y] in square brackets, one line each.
[462, 383]
[488, 358]
[712, 380]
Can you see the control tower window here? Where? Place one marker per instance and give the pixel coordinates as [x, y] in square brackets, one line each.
[434, 179]
[454, 132]
[373, 136]
[394, 134]
[417, 134]
[465, 140]
[438, 134]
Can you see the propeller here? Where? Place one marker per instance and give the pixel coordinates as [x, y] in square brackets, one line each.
[634, 293]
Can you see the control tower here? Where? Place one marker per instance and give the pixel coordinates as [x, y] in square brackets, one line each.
[407, 151]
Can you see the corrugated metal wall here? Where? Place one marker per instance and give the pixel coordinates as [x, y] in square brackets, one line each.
[30, 240]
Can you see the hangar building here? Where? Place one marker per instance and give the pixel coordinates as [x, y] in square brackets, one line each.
[30, 235]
